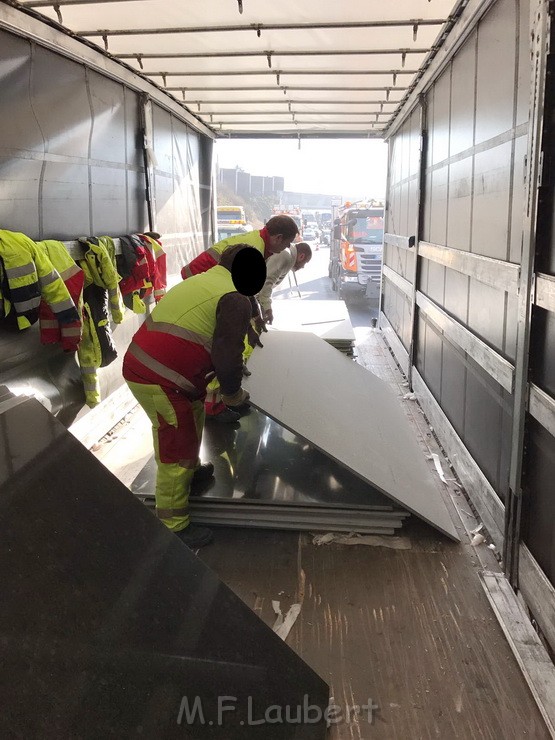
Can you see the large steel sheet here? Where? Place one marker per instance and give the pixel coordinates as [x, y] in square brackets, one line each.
[108, 620]
[358, 422]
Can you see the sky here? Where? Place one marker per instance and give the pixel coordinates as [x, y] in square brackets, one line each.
[351, 168]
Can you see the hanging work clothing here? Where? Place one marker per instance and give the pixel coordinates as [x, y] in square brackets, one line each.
[27, 277]
[101, 301]
[67, 335]
[197, 329]
[257, 239]
[158, 277]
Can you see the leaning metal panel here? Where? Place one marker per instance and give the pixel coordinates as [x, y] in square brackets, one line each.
[363, 425]
[108, 621]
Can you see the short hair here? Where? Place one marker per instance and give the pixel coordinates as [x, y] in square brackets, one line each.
[304, 248]
[284, 225]
[228, 255]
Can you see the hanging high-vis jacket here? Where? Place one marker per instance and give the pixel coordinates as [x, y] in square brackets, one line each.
[101, 289]
[27, 276]
[158, 271]
[100, 259]
[68, 335]
[212, 256]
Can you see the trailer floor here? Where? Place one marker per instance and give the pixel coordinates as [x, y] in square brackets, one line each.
[409, 631]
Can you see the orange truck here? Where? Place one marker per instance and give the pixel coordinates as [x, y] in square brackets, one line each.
[356, 247]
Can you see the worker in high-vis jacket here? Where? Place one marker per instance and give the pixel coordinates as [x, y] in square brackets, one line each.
[277, 235]
[274, 238]
[195, 331]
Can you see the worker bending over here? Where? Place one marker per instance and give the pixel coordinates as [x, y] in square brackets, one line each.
[196, 330]
[275, 237]
[277, 267]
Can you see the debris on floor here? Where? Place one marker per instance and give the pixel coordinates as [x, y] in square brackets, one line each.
[282, 625]
[394, 543]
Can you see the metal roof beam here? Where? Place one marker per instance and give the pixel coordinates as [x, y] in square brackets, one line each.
[289, 100]
[259, 27]
[227, 72]
[270, 52]
[285, 89]
[296, 112]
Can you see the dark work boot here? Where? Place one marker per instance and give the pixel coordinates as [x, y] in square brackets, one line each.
[224, 417]
[203, 472]
[203, 478]
[194, 536]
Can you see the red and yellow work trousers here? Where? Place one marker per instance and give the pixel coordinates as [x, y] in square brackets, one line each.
[177, 425]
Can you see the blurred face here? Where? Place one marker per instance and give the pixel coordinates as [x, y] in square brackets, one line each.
[302, 260]
[278, 243]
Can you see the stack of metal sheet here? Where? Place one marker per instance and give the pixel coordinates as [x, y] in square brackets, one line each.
[267, 477]
[329, 320]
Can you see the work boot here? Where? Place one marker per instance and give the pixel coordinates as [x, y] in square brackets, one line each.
[224, 417]
[203, 472]
[194, 536]
[203, 478]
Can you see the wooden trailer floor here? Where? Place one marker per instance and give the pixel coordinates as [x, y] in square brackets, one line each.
[408, 631]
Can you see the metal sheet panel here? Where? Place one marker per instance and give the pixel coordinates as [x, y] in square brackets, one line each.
[460, 204]
[453, 386]
[364, 428]
[482, 422]
[129, 618]
[517, 202]
[490, 213]
[439, 116]
[461, 134]
[540, 529]
[108, 201]
[543, 350]
[433, 350]
[495, 83]
[438, 196]
[486, 313]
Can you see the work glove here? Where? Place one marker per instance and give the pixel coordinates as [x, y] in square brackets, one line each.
[268, 316]
[253, 338]
[259, 324]
[237, 399]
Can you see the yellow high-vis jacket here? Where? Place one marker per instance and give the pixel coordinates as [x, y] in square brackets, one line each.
[26, 276]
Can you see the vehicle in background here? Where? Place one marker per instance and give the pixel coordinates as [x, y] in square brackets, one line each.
[293, 211]
[231, 215]
[312, 238]
[325, 219]
[227, 230]
[325, 236]
[356, 248]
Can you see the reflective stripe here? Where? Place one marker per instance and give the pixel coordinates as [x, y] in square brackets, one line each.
[70, 272]
[163, 371]
[72, 332]
[16, 272]
[112, 292]
[62, 305]
[214, 253]
[159, 292]
[189, 464]
[178, 331]
[50, 278]
[169, 513]
[187, 271]
[89, 385]
[23, 306]
[48, 324]
[88, 369]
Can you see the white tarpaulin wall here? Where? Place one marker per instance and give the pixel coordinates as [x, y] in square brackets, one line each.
[288, 67]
